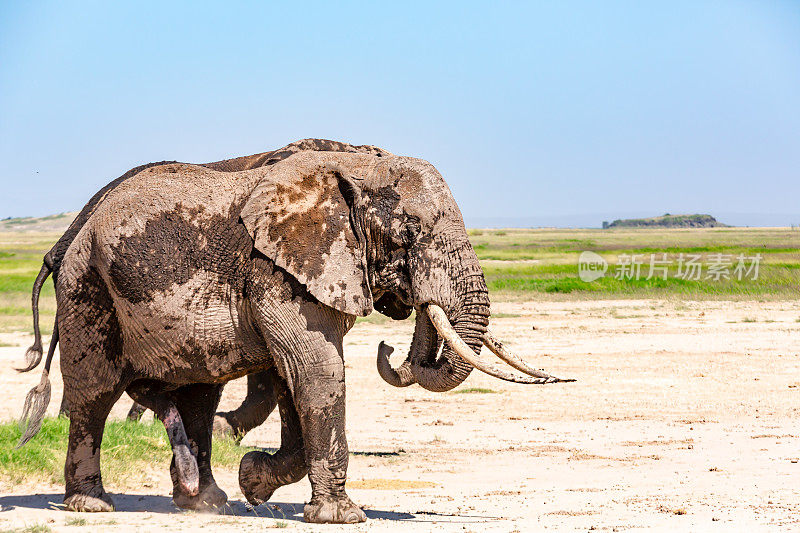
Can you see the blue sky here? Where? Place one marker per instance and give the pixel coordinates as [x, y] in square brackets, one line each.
[557, 111]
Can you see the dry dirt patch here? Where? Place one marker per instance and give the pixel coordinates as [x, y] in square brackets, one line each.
[708, 404]
[388, 484]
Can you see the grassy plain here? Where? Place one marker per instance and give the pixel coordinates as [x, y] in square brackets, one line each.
[20, 260]
[522, 264]
[534, 263]
[131, 450]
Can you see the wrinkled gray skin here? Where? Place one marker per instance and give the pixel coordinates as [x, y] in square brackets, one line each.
[185, 277]
[260, 400]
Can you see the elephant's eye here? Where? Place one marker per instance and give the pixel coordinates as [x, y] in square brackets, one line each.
[411, 230]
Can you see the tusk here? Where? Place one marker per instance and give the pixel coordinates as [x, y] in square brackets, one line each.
[506, 355]
[402, 377]
[445, 329]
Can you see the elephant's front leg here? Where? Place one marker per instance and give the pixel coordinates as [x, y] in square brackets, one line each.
[256, 407]
[320, 402]
[260, 473]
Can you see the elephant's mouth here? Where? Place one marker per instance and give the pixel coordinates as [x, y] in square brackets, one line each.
[435, 370]
[393, 306]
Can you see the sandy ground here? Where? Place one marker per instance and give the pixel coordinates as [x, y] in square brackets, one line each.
[684, 418]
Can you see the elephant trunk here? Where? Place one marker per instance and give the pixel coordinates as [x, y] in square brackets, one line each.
[462, 339]
[445, 372]
[454, 315]
[469, 323]
[424, 344]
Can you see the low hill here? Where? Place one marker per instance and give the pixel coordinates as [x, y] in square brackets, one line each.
[56, 223]
[667, 221]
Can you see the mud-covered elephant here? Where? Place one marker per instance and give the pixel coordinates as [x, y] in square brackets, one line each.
[261, 399]
[183, 277]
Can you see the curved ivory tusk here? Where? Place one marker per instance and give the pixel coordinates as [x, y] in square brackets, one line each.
[506, 355]
[445, 329]
[402, 377]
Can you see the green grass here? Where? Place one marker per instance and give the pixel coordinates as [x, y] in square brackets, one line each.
[20, 260]
[129, 451]
[518, 264]
[523, 264]
[774, 280]
[474, 390]
[35, 528]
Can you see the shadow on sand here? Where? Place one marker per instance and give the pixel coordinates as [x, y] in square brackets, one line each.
[133, 503]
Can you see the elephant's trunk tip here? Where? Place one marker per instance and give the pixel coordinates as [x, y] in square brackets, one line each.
[399, 377]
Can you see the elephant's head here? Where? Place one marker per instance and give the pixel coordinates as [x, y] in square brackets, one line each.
[364, 231]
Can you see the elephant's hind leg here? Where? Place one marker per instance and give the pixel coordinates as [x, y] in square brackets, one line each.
[93, 374]
[260, 473]
[84, 486]
[196, 405]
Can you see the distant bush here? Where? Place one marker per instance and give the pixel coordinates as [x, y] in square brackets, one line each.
[667, 221]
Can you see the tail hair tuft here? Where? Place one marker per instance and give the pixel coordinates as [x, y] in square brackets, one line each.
[33, 356]
[34, 409]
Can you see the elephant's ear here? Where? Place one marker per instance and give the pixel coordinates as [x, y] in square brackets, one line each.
[301, 219]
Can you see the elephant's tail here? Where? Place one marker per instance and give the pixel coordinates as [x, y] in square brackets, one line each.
[34, 354]
[38, 397]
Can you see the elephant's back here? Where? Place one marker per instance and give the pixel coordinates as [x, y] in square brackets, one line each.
[174, 258]
[59, 249]
[162, 226]
[156, 192]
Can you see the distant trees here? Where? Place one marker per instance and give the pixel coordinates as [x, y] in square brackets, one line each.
[667, 221]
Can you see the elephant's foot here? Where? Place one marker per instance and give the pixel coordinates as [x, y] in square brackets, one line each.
[83, 503]
[252, 478]
[212, 498]
[333, 510]
[226, 426]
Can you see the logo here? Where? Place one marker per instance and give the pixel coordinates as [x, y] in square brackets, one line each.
[591, 267]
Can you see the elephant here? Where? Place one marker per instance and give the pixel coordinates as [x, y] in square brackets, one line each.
[182, 277]
[260, 401]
